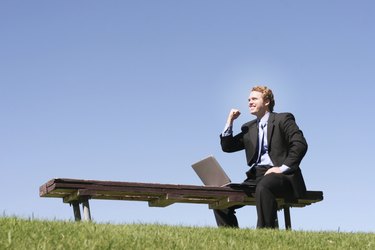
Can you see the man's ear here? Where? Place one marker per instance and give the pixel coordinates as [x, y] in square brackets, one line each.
[267, 103]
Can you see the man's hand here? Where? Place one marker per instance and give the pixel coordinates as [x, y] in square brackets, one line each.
[233, 115]
[275, 170]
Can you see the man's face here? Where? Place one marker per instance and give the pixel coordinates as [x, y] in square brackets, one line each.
[257, 105]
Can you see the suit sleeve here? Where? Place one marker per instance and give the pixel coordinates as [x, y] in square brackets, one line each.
[296, 142]
[232, 143]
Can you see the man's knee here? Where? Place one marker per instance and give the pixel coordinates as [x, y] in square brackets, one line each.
[267, 182]
[277, 184]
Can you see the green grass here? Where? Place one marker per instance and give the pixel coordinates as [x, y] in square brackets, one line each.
[16, 233]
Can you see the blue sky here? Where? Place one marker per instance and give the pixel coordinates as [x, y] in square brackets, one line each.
[139, 90]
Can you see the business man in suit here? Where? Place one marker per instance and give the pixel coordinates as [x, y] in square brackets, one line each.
[274, 147]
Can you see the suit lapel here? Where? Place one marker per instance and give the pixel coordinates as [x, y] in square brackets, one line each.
[270, 126]
[252, 135]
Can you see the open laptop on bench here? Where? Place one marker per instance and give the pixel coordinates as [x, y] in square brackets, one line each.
[213, 175]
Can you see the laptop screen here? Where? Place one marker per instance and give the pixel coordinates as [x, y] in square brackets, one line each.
[210, 172]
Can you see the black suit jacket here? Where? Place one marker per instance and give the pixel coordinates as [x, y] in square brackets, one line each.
[286, 145]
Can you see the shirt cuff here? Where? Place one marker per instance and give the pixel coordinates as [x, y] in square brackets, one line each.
[284, 168]
[227, 130]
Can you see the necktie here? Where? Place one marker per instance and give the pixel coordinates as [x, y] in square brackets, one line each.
[261, 149]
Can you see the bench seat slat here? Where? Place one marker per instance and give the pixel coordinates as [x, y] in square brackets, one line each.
[158, 194]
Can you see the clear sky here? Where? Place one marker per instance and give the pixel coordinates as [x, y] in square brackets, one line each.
[139, 90]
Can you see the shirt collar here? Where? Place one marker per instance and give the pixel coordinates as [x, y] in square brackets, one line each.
[264, 119]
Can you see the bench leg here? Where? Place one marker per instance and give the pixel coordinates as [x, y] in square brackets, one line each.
[76, 211]
[288, 223]
[86, 211]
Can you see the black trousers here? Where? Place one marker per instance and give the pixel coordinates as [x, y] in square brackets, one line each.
[268, 188]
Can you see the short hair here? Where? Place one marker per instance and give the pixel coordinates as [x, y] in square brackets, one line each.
[266, 94]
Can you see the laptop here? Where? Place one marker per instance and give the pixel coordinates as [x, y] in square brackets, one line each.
[211, 173]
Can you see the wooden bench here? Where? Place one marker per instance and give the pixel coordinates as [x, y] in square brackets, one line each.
[77, 192]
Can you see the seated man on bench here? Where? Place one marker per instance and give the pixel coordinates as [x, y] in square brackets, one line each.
[274, 147]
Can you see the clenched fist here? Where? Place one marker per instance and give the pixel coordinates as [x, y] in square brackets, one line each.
[233, 115]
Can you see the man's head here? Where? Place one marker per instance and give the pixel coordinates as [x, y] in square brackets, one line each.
[261, 100]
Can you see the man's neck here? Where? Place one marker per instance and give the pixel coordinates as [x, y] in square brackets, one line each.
[264, 117]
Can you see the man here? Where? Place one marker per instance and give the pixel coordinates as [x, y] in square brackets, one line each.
[274, 147]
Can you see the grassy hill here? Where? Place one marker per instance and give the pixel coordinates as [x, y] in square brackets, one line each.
[16, 233]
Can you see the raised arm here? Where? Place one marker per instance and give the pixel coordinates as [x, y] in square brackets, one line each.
[230, 143]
